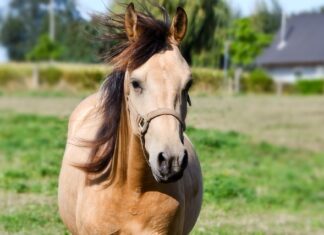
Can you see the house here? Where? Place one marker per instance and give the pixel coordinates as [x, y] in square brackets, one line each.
[297, 51]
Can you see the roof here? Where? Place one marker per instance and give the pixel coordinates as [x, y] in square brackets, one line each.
[304, 43]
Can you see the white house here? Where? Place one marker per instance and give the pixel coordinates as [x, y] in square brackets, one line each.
[297, 51]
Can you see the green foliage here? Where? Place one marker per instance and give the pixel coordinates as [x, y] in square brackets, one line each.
[45, 50]
[258, 81]
[209, 26]
[28, 20]
[50, 75]
[310, 87]
[247, 42]
[22, 27]
[208, 20]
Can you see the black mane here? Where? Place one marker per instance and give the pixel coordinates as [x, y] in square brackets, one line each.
[124, 55]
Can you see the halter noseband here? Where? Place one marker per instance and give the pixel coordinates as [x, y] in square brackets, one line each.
[143, 121]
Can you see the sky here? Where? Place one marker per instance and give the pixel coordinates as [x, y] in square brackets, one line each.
[289, 6]
[87, 7]
[246, 6]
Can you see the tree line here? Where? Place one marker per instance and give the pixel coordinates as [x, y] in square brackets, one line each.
[212, 23]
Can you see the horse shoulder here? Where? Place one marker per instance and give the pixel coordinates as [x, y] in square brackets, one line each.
[81, 126]
[85, 112]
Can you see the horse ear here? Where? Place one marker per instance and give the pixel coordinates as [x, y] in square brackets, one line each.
[179, 25]
[131, 22]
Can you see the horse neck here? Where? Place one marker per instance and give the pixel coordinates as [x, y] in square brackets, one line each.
[130, 168]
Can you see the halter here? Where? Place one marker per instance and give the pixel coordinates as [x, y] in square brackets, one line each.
[143, 121]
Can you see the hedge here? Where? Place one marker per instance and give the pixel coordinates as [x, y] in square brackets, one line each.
[11, 75]
[207, 80]
[89, 77]
[310, 86]
[77, 76]
[50, 75]
[258, 81]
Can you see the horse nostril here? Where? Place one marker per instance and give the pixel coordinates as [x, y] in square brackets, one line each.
[163, 163]
[184, 161]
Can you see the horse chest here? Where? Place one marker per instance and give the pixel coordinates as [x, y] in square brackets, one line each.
[151, 213]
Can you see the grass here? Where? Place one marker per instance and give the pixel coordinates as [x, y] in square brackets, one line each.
[291, 121]
[249, 187]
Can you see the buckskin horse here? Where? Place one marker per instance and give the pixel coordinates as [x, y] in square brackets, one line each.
[128, 167]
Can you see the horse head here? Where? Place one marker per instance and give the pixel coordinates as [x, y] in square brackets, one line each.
[157, 96]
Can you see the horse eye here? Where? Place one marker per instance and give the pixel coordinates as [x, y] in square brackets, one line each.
[136, 85]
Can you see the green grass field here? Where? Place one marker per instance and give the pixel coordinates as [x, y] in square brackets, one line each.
[249, 187]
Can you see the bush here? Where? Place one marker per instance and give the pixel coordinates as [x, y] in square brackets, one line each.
[90, 77]
[50, 75]
[258, 81]
[207, 79]
[7, 75]
[309, 87]
[85, 79]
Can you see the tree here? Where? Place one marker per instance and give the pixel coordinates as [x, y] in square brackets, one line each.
[22, 27]
[211, 53]
[267, 18]
[247, 42]
[45, 50]
[207, 19]
[28, 20]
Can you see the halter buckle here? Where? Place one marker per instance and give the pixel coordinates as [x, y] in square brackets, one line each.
[142, 125]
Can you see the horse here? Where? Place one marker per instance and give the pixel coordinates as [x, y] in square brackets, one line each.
[128, 166]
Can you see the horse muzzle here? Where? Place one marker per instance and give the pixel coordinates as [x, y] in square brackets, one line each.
[170, 168]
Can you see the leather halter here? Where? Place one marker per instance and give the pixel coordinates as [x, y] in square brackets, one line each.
[143, 122]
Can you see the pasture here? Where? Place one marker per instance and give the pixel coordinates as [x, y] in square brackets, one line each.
[262, 159]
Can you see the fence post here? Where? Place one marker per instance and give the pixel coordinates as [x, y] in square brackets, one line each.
[279, 87]
[237, 80]
[35, 78]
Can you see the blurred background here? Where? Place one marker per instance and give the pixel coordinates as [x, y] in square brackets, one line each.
[257, 118]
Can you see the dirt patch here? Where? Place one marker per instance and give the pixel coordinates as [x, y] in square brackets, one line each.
[58, 106]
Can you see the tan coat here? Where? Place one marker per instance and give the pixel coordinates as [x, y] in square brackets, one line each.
[134, 203]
